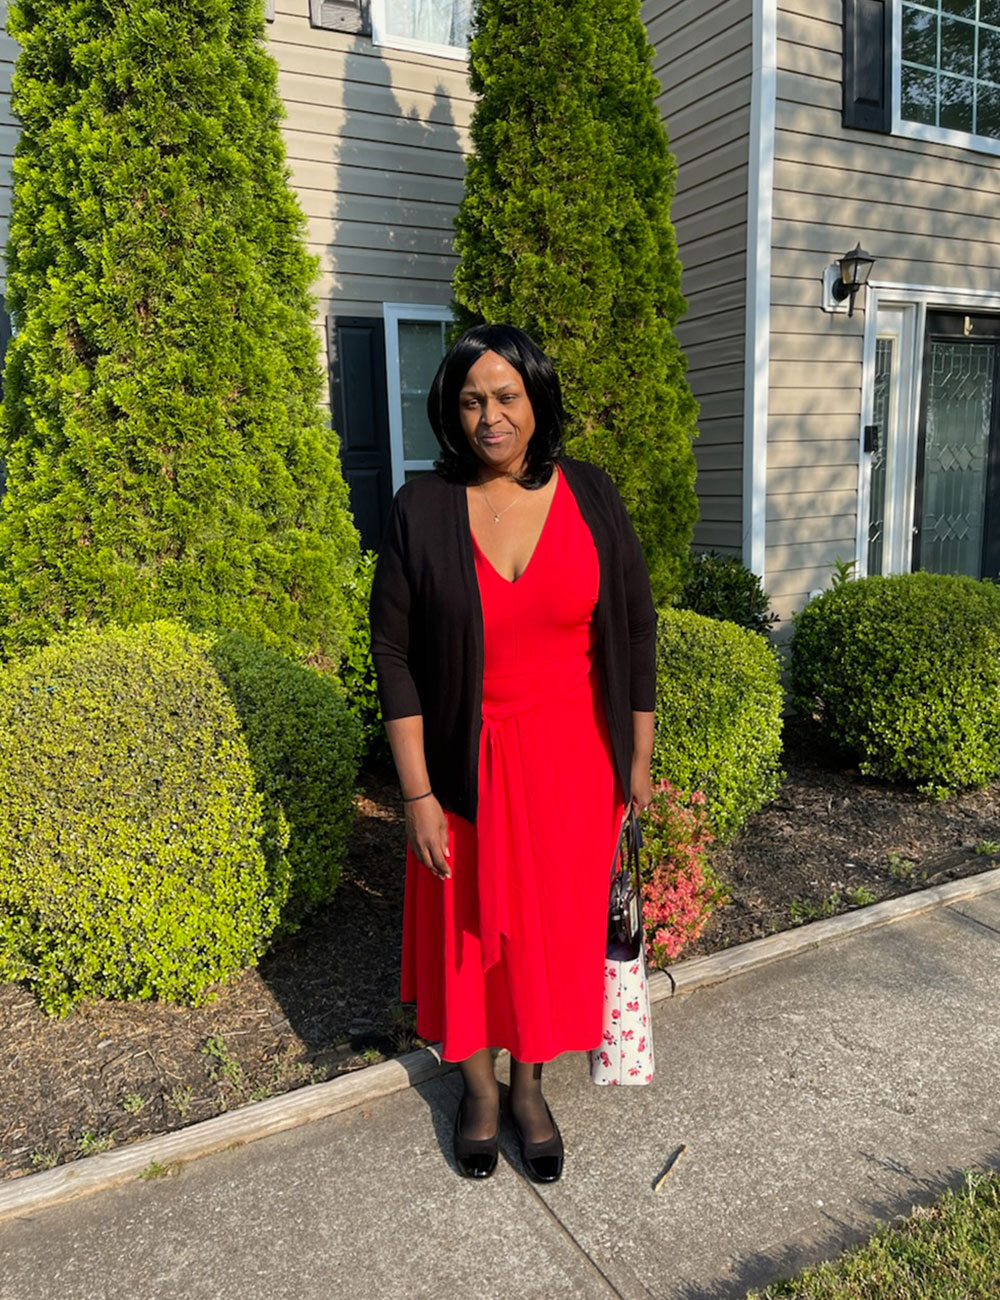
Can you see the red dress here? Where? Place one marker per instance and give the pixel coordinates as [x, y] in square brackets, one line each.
[509, 951]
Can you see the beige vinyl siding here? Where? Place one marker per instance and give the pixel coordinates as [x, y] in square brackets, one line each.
[703, 62]
[375, 139]
[927, 211]
[8, 134]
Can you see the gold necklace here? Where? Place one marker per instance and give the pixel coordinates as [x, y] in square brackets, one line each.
[496, 514]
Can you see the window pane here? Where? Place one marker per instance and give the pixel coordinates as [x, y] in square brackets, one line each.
[989, 12]
[421, 347]
[920, 34]
[988, 111]
[439, 22]
[958, 47]
[956, 448]
[989, 55]
[882, 415]
[956, 104]
[964, 8]
[919, 96]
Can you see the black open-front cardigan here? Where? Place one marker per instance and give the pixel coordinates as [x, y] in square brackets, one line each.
[427, 625]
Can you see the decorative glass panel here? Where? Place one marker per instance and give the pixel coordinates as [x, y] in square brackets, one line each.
[881, 415]
[956, 451]
[421, 347]
[437, 22]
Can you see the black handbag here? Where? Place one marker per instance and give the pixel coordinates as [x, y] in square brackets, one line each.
[625, 899]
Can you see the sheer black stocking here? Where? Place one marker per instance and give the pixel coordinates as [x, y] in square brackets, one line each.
[481, 1103]
[526, 1101]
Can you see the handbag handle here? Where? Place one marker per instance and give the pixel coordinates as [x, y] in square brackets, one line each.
[625, 902]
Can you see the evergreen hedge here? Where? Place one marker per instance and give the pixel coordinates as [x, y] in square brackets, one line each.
[165, 446]
[565, 231]
[168, 802]
[904, 672]
[718, 716]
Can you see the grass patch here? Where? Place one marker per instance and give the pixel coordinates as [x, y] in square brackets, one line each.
[949, 1251]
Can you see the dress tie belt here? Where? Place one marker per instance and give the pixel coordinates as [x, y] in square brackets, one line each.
[503, 821]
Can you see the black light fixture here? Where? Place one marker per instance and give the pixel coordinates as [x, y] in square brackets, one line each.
[855, 268]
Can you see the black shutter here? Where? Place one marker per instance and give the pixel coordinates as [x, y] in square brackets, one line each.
[361, 418]
[868, 65]
[342, 15]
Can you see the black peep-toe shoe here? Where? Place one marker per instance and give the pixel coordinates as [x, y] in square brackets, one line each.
[542, 1160]
[475, 1157]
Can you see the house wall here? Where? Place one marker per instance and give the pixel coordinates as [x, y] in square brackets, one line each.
[375, 140]
[703, 60]
[927, 211]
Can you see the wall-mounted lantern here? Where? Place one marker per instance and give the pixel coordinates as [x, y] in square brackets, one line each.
[844, 278]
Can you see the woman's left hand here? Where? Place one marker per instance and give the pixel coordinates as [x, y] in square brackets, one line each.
[642, 787]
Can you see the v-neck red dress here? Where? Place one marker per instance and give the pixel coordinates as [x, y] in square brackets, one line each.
[509, 951]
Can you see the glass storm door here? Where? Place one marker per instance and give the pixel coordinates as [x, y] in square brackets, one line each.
[956, 505]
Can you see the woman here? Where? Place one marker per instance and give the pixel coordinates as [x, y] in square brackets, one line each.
[513, 636]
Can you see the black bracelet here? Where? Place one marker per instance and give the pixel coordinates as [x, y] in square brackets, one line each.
[414, 797]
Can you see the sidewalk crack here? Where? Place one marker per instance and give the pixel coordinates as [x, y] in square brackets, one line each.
[565, 1232]
[991, 930]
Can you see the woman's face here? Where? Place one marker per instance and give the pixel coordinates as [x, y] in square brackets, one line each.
[496, 414]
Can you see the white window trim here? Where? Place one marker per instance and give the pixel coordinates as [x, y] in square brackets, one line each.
[923, 130]
[394, 312]
[381, 36]
[903, 307]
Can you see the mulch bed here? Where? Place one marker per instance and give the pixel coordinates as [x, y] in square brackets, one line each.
[326, 1000]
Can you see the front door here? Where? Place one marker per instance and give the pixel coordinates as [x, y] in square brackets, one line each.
[956, 518]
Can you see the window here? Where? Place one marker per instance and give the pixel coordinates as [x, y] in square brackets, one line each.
[433, 26]
[950, 65]
[928, 69]
[415, 342]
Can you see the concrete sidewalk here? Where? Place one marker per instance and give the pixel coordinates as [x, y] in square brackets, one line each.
[815, 1096]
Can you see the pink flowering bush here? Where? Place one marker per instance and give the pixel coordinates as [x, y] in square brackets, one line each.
[679, 889]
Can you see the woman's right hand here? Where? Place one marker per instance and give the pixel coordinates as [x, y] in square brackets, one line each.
[427, 833]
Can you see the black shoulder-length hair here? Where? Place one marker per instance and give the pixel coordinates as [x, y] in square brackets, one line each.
[458, 461]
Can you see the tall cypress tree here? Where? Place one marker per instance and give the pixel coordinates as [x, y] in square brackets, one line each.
[565, 231]
[165, 444]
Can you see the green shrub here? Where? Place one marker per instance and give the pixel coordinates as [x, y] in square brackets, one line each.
[303, 743]
[720, 586]
[162, 425]
[357, 670]
[564, 230]
[131, 855]
[904, 672]
[167, 799]
[718, 716]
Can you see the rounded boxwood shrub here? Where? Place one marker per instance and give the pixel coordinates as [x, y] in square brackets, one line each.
[303, 740]
[718, 715]
[154, 830]
[904, 672]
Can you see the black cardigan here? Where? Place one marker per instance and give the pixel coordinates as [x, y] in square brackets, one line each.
[427, 624]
